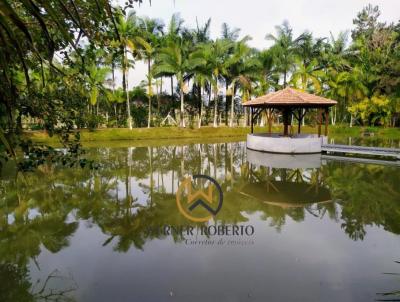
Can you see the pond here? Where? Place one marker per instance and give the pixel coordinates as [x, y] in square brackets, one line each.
[285, 229]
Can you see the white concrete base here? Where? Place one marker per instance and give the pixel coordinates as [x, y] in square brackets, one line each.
[284, 161]
[276, 143]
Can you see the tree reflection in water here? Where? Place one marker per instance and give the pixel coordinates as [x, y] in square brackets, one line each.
[134, 192]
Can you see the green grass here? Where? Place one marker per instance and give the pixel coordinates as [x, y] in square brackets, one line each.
[137, 134]
[174, 133]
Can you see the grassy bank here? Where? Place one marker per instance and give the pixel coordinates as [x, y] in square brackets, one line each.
[174, 133]
[137, 134]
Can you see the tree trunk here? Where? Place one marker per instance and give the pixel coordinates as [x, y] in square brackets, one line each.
[149, 92]
[284, 79]
[226, 103]
[215, 107]
[286, 121]
[113, 75]
[158, 97]
[128, 107]
[125, 80]
[18, 126]
[113, 87]
[182, 121]
[232, 105]
[333, 117]
[201, 106]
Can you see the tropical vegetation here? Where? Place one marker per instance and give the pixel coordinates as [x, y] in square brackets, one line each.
[61, 62]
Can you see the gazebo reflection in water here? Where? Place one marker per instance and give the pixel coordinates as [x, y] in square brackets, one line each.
[286, 181]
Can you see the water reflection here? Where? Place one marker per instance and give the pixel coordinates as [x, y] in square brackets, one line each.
[134, 193]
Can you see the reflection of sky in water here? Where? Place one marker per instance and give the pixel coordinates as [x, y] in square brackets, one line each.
[310, 252]
[308, 260]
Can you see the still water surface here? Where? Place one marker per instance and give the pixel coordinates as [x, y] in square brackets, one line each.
[321, 230]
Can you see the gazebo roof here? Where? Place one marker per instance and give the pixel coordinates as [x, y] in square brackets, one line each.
[290, 97]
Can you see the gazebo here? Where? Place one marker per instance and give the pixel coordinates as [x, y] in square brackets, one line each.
[290, 102]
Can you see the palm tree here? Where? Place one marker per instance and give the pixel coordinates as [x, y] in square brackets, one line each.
[200, 75]
[175, 59]
[215, 56]
[173, 34]
[308, 49]
[228, 33]
[306, 76]
[351, 88]
[336, 53]
[243, 67]
[152, 30]
[201, 79]
[96, 78]
[284, 50]
[130, 40]
[267, 75]
[335, 61]
[202, 33]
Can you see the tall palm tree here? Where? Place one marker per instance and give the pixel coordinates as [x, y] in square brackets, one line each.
[173, 34]
[96, 78]
[201, 79]
[284, 50]
[201, 34]
[351, 88]
[308, 49]
[201, 76]
[131, 40]
[268, 76]
[337, 53]
[335, 60]
[175, 59]
[307, 76]
[152, 30]
[215, 56]
[228, 33]
[231, 35]
[243, 67]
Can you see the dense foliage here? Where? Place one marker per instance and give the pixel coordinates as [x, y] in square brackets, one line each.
[46, 71]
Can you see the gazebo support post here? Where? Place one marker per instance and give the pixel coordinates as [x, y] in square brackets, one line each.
[319, 121]
[251, 118]
[299, 119]
[326, 121]
[286, 120]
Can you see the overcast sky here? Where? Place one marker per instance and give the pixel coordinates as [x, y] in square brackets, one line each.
[259, 17]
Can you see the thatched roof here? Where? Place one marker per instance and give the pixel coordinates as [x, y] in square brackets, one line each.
[290, 97]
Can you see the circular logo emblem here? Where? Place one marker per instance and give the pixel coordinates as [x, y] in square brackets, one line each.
[199, 198]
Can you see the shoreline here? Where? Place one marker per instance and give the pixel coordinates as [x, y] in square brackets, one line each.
[222, 132]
